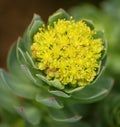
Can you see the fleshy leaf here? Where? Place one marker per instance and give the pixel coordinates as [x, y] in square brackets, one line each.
[88, 23]
[19, 87]
[55, 83]
[94, 92]
[59, 93]
[30, 60]
[29, 74]
[60, 14]
[30, 114]
[32, 29]
[64, 115]
[49, 101]
[20, 50]
[14, 65]
[7, 99]
[69, 120]
[23, 56]
[72, 90]
[100, 34]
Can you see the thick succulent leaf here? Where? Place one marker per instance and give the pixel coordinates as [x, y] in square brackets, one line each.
[54, 83]
[60, 14]
[72, 90]
[30, 114]
[27, 65]
[31, 30]
[49, 101]
[69, 120]
[13, 64]
[23, 44]
[59, 93]
[20, 50]
[29, 73]
[88, 23]
[101, 70]
[94, 92]
[64, 115]
[100, 34]
[23, 56]
[7, 99]
[21, 88]
[30, 60]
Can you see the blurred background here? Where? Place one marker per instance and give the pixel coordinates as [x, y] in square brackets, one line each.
[15, 15]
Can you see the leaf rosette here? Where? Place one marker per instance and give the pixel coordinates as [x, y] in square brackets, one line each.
[58, 65]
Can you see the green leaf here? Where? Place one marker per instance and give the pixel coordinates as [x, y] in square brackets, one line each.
[54, 83]
[69, 120]
[94, 92]
[30, 114]
[13, 64]
[64, 115]
[20, 50]
[23, 56]
[100, 35]
[34, 29]
[7, 99]
[88, 23]
[30, 73]
[31, 30]
[30, 60]
[59, 93]
[20, 87]
[72, 90]
[60, 14]
[49, 101]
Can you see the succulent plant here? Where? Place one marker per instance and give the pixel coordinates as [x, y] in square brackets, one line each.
[56, 68]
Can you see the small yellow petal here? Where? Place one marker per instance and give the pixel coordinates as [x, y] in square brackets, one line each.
[68, 52]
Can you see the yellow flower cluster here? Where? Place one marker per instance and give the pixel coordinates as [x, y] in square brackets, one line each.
[68, 52]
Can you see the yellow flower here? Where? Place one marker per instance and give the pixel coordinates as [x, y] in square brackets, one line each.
[68, 51]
